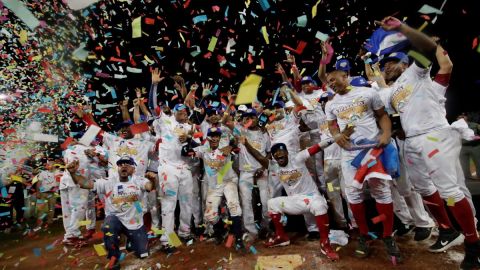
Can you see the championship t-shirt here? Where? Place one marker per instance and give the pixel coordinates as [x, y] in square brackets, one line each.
[48, 180]
[419, 101]
[285, 131]
[137, 148]
[295, 177]
[356, 107]
[260, 141]
[123, 199]
[214, 162]
[88, 167]
[170, 150]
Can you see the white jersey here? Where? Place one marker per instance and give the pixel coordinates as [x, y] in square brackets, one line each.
[48, 180]
[123, 199]
[152, 155]
[137, 148]
[213, 162]
[88, 167]
[384, 94]
[258, 140]
[312, 98]
[419, 101]
[356, 107]
[295, 177]
[170, 149]
[285, 131]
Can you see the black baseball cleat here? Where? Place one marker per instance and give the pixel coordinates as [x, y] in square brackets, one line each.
[168, 249]
[240, 246]
[471, 260]
[404, 229]
[422, 234]
[313, 236]
[447, 238]
[392, 249]
[362, 250]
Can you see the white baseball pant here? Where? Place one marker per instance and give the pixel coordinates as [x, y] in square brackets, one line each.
[73, 200]
[246, 186]
[333, 176]
[379, 188]
[214, 198]
[197, 199]
[433, 164]
[175, 182]
[315, 205]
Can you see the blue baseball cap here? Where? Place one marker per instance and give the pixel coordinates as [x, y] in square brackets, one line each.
[359, 81]
[343, 65]
[395, 56]
[179, 107]
[249, 112]
[278, 146]
[214, 131]
[307, 79]
[126, 160]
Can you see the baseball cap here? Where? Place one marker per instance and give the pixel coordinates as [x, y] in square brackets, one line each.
[249, 112]
[179, 107]
[307, 79]
[123, 125]
[395, 56]
[343, 65]
[126, 160]
[214, 131]
[278, 146]
[242, 108]
[359, 81]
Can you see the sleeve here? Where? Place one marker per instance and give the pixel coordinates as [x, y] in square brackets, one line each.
[100, 186]
[268, 143]
[302, 156]
[329, 113]
[438, 89]
[417, 72]
[157, 127]
[376, 101]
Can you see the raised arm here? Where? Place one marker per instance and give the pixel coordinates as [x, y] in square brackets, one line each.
[124, 109]
[136, 111]
[259, 157]
[444, 61]
[152, 94]
[190, 99]
[322, 67]
[78, 179]
[296, 73]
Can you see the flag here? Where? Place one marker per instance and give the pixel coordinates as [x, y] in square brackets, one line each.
[385, 42]
[381, 163]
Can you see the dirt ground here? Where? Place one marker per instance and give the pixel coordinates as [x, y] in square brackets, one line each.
[45, 251]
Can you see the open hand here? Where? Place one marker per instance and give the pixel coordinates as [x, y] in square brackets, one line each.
[389, 23]
[72, 167]
[156, 76]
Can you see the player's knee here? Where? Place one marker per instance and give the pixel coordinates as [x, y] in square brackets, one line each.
[354, 195]
[274, 206]
[234, 208]
[453, 193]
[318, 206]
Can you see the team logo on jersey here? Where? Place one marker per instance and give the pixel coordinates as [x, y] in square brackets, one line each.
[126, 151]
[256, 144]
[324, 127]
[214, 163]
[352, 112]
[401, 96]
[290, 177]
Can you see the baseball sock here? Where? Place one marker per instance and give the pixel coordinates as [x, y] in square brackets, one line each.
[462, 211]
[358, 211]
[323, 226]
[387, 210]
[278, 225]
[437, 208]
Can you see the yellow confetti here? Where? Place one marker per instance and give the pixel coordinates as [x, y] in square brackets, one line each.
[314, 9]
[212, 44]
[265, 34]
[248, 90]
[137, 27]
[174, 240]
[157, 231]
[330, 187]
[84, 222]
[16, 178]
[423, 26]
[450, 201]
[432, 139]
[420, 58]
[100, 249]
[23, 37]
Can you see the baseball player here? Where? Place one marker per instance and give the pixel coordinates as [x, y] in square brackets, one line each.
[359, 106]
[175, 177]
[432, 147]
[222, 181]
[124, 192]
[303, 196]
